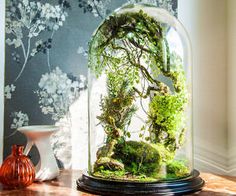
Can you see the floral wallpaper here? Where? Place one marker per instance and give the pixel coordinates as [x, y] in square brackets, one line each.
[46, 71]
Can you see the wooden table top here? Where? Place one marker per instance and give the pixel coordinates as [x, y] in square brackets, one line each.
[65, 185]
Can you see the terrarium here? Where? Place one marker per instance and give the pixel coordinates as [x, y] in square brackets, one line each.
[140, 105]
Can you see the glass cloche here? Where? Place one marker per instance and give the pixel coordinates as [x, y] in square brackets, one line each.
[140, 100]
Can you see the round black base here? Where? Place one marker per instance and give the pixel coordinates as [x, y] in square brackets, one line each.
[99, 186]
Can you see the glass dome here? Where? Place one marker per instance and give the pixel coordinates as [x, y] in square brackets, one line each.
[140, 105]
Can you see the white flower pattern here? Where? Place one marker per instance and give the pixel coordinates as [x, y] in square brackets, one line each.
[82, 51]
[19, 119]
[57, 92]
[99, 8]
[9, 89]
[166, 4]
[32, 18]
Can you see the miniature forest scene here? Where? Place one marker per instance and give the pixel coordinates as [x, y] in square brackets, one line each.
[143, 111]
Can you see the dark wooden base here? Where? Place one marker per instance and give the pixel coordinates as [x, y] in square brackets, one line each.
[100, 186]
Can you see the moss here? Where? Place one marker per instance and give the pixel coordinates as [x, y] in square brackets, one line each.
[167, 119]
[109, 174]
[122, 176]
[139, 158]
[177, 169]
[108, 163]
[141, 162]
[165, 154]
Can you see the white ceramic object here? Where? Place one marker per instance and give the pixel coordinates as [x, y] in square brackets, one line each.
[39, 135]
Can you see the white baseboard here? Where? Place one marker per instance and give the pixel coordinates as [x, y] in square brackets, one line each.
[215, 161]
[206, 165]
[208, 161]
[232, 162]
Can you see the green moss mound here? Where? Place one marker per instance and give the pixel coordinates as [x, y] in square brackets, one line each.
[177, 169]
[139, 158]
[139, 161]
[142, 161]
[122, 176]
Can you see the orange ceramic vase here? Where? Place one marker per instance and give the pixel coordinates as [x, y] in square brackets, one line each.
[17, 171]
